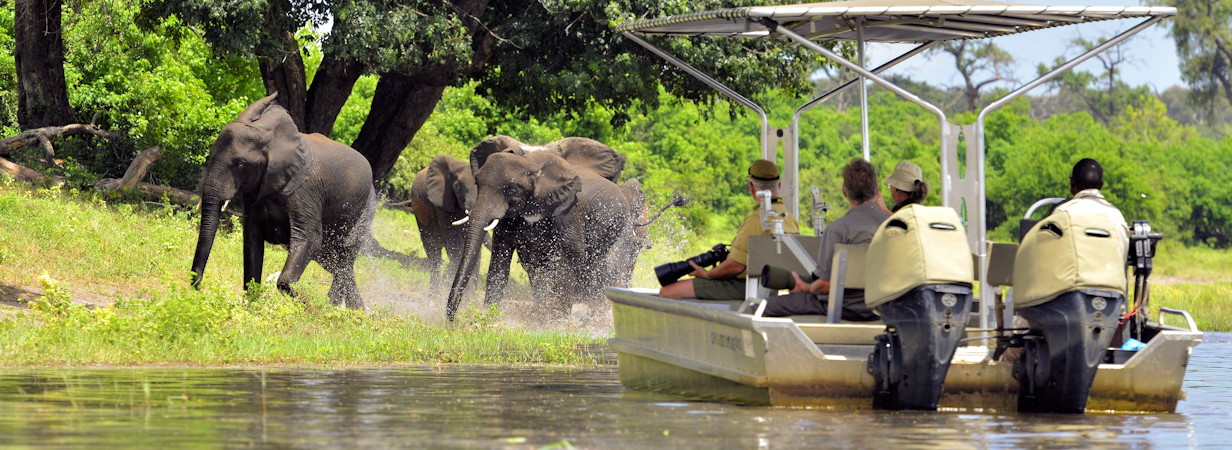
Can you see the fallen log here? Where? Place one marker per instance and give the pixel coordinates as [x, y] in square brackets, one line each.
[131, 182]
[26, 174]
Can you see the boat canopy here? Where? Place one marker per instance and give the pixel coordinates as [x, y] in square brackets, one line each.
[889, 21]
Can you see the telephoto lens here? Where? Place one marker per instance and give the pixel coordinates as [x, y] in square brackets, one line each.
[670, 272]
[774, 277]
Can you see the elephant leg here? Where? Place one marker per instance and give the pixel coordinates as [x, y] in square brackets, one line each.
[430, 235]
[304, 246]
[498, 267]
[341, 264]
[254, 249]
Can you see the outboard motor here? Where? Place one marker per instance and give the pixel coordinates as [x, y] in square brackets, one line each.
[1069, 283]
[920, 270]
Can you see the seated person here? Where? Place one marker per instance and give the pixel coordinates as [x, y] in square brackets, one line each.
[726, 281]
[906, 185]
[1085, 181]
[855, 227]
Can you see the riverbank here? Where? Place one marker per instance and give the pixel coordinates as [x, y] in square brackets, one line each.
[90, 281]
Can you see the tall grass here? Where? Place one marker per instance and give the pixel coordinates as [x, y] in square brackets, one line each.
[131, 261]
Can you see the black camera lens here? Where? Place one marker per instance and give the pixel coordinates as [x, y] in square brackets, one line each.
[670, 272]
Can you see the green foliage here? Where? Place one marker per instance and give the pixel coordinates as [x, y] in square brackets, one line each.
[159, 87]
[590, 65]
[8, 73]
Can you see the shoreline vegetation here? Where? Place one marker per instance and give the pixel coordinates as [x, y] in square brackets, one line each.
[92, 281]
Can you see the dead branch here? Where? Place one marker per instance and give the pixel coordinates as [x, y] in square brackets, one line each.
[140, 165]
[44, 135]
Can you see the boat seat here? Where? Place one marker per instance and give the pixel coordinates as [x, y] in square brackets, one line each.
[764, 251]
[846, 272]
[1001, 263]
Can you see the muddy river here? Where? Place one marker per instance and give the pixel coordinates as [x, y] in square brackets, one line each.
[520, 407]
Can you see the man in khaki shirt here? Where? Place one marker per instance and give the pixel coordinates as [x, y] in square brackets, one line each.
[726, 281]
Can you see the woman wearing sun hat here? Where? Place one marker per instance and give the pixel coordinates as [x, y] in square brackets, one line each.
[907, 185]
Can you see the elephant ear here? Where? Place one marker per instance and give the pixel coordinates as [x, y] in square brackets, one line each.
[491, 146]
[285, 148]
[464, 187]
[257, 109]
[556, 187]
[592, 155]
[439, 180]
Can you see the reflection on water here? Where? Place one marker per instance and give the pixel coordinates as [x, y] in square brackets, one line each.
[486, 406]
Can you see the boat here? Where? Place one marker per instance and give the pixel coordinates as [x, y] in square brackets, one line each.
[942, 344]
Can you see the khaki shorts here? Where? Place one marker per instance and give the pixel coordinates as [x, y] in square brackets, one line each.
[726, 289]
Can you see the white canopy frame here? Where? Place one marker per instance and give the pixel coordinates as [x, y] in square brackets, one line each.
[921, 21]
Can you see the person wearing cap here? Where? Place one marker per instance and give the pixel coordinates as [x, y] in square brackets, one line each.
[726, 281]
[1085, 181]
[907, 186]
[855, 227]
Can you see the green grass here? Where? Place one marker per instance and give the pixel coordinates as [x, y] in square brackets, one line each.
[131, 261]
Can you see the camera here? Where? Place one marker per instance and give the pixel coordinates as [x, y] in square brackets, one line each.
[670, 272]
[777, 278]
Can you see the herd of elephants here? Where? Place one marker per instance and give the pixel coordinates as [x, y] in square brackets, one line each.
[574, 228]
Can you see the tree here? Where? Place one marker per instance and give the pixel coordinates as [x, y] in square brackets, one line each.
[1202, 30]
[1104, 94]
[530, 57]
[42, 94]
[972, 58]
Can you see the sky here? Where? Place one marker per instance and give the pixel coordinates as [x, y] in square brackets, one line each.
[1151, 54]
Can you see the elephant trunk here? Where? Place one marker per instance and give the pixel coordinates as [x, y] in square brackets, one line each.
[216, 191]
[211, 209]
[474, 234]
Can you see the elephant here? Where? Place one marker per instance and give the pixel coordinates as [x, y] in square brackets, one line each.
[304, 191]
[623, 256]
[557, 206]
[441, 196]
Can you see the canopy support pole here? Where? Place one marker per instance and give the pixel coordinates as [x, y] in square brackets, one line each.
[860, 44]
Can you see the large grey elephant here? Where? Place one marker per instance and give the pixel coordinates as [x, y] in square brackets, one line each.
[441, 196]
[557, 206]
[304, 191]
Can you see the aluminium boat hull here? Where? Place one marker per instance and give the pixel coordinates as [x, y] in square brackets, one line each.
[706, 350]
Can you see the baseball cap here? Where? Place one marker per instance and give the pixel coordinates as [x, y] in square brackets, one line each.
[905, 176]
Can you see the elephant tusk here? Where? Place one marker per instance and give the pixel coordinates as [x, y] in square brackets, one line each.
[491, 225]
[224, 205]
[462, 220]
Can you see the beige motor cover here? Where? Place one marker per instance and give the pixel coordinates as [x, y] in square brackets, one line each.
[931, 249]
[1088, 253]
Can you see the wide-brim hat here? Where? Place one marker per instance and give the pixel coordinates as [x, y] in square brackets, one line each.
[906, 175]
[763, 171]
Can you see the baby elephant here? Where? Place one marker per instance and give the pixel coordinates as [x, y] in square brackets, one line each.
[303, 191]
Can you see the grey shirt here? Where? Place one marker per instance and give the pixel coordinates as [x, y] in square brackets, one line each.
[855, 227]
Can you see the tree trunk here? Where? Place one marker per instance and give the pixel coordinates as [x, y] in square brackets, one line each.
[42, 94]
[330, 89]
[283, 72]
[403, 102]
[400, 107]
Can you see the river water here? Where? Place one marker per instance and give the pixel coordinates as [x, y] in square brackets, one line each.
[531, 407]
